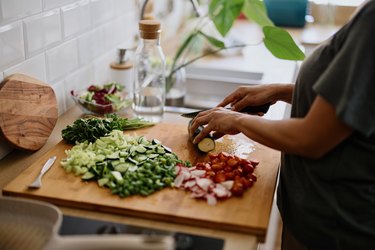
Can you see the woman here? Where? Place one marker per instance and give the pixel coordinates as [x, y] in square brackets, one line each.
[326, 193]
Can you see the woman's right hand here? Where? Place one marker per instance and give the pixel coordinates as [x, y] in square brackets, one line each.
[257, 95]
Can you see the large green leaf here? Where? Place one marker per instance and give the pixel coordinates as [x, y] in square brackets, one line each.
[281, 44]
[256, 11]
[212, 40]
[223, 13]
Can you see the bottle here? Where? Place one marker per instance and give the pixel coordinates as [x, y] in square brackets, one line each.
[122, 71]
[149, 73]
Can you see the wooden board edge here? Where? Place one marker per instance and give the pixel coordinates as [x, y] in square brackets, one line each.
[258, 232]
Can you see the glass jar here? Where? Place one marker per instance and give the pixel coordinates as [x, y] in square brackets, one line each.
[176, 88]
[149, 77]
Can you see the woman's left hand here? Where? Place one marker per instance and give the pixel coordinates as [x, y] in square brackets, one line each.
[220, 120]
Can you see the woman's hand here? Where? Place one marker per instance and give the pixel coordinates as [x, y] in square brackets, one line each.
[256, 95]
[221, 121]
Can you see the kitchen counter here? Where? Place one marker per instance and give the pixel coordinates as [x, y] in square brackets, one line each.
[17, 161]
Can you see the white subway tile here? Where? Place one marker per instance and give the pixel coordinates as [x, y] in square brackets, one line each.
[109, 36]
[101, 11]
[11, 45]
[13, 9]
[86, 46]
[99, 42]
[76, 17]
[42, 31]
[50, 4]
[123, 7]
[125, 30]
[105, 39]
[68, 44]
[35, 67]
[78, 80]
[58, 88]
[62, 60]
[101, 67]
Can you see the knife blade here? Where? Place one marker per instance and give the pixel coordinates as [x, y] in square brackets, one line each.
[248, 110]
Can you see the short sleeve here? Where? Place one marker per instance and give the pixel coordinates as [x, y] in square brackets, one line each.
[348, 83]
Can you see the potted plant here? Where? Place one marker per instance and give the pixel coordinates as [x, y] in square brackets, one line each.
[223, 13]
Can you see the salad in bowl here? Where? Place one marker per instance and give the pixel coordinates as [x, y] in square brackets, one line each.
[100, 100]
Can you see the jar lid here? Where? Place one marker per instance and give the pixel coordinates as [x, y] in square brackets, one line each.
[149, 29]
[149, 25]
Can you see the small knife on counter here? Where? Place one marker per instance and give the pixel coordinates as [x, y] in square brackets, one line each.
[38, 181]
[248, 110]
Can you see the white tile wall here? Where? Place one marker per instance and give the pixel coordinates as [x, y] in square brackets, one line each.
[60, 40]
[86, 46]
[64, 41]
[98, 16]
[11, 44]
[50, 4]
[13, 9]
[123, 7]
[35, 67]
[42, 31]
[76, 18]
[68, 44]
[100, 67]
[62, 60]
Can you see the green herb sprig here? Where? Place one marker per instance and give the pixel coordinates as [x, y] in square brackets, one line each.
[90, 129]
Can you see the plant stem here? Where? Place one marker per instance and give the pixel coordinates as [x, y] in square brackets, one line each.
[169, 83]
[207, 54]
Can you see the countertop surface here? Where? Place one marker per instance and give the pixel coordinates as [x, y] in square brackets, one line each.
[17, 161]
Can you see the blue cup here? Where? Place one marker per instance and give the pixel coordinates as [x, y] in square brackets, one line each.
[287, 13]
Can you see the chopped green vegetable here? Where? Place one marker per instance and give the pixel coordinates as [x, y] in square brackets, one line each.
[207, 144]
[93, 128]
[125, 164]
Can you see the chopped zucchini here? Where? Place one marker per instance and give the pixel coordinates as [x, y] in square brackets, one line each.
[207, 144]
[117, 175]
[88, 176]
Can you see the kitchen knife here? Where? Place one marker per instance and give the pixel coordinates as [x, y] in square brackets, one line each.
[38, 181]
[249, 110]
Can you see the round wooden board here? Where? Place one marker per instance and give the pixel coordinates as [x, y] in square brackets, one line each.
[28, 111]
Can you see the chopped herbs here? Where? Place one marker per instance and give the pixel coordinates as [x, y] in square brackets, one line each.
[91, 129]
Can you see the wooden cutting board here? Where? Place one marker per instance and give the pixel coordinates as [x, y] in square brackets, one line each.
[28, 111]
[248, 214]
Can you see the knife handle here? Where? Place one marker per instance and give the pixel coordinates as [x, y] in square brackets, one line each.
[256, 109]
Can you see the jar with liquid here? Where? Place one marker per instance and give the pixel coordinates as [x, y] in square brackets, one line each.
[149, 69]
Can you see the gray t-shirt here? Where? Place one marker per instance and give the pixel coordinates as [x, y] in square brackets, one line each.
[329, 203]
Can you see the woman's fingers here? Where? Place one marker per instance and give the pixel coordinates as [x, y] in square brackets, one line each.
[218, 120]
[231, 99]
[204, 133]
[241, 104]
[217, 135]
[202, 119]
[196, 122]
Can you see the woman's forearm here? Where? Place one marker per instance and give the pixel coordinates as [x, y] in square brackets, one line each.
[310, 136]
[283, 135]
